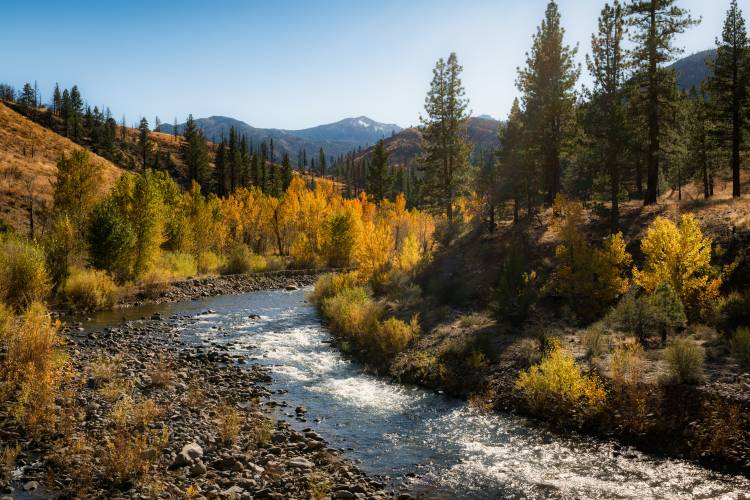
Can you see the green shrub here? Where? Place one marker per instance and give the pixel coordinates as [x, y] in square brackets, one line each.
[740, 346]
[208, 263]
[89, 290]
[685, 359]
[635, 315]
[23, 276]
[516, 286]
[558, 388]
[241, 261]
[734, 311]
[670, 313]
[179, 264]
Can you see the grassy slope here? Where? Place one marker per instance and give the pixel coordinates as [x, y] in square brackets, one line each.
[28, 164]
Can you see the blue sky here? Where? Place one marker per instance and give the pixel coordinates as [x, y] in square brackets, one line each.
[284, 63]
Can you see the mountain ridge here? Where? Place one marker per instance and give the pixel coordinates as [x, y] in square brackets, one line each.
[335, 138]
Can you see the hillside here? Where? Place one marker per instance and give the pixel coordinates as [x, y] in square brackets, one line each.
[405, 147]
[28, 165]
[335, 138]
[693, 70]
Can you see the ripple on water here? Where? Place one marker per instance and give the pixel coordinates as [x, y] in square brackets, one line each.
[456, 451]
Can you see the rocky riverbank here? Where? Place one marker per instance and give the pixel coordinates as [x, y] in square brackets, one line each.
[145, 413]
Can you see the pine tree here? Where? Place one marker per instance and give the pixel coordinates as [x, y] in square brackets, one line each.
[379, 182]
[656, 24]
[56, 100]
[76, 110]
[700, 139]
[220, 171]
[194, 151]
[728, 85]
[286, 172]
[322, 163]
[547, 84]
[144, 140]
[514, 178]
[27, 99]
[606, 115]
[233, 159]
[446, 159]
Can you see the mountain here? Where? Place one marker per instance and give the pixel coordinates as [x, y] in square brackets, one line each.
[335, 138]
[692, 70]
[405, 147]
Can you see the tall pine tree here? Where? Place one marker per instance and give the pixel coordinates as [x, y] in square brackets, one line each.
[446, 158]
[728, 87]
[606, 112]
[379, 180]
[547, 84]
[655, 23]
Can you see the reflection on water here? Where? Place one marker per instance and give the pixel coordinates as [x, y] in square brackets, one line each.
[447, 449]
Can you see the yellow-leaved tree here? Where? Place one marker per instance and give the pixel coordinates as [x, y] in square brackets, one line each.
[679, 256]
[592, 278]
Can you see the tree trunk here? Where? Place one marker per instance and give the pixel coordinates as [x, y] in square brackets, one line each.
[652, 172]
[706, 192]
[736, 153]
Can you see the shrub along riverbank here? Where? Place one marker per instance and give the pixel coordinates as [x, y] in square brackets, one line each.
[631, 352]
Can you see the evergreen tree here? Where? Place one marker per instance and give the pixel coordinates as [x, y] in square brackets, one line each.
[76, 110]
[233, 159]
[700, 139]
[655, 23]
[379, 180]
[286, 172]
[728, 87]
[194, 151]
[244, 165]
[144, 140]
[322, 162]
[547, 84]
[27, 99]
[606, 110]
[220, 171]
[446, 159]
[56, 100]
[514, 178]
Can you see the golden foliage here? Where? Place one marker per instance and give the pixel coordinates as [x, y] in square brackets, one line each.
[557, 386]
[89, 290]
[33, 369]
[681, 257]
[592, 278]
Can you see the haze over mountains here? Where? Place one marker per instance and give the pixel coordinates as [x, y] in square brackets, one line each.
[335, 138]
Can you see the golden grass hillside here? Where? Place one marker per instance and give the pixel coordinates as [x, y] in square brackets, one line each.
[28, 166]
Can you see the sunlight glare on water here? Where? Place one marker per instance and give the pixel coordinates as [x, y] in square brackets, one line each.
[447, 449]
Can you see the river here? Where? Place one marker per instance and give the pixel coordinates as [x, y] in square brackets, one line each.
[428, 443]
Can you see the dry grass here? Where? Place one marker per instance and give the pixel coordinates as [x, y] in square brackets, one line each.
[161, 373]
[28, 165]
[228, 422]
[8, 455]
[33, 369]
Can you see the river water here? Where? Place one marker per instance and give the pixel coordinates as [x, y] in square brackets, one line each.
[429, 443]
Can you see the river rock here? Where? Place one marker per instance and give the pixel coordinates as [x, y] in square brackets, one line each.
[189, 453]
[301, 463]
[31, 486]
